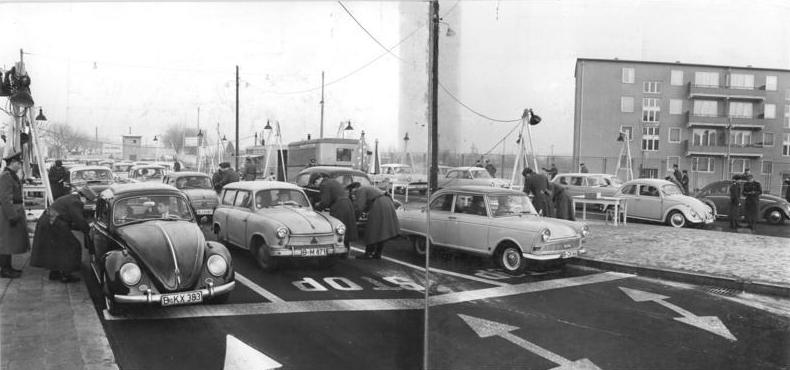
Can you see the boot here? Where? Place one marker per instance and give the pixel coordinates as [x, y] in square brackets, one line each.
[377, 251]
[369, 249]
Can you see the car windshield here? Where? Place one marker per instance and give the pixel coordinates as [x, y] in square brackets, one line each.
[280, 198]
[91, 176]
[671, 189]
[148, 172]
[193, 182]
[614, 181]
[156, 207]
[480, 174]
[503, 205]
[402, 170]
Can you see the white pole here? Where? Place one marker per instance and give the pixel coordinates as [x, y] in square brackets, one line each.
[40, 160]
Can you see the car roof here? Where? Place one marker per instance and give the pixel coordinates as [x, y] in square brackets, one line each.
[480, 189]
[83, 168]
[657, 182]
[331, 169]
[141, 187]
[146, 166]
[261, 185]
[186, 173]
[468, 168]
[585, 174]
[395, 165]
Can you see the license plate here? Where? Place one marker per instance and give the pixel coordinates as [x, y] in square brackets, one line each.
[313, 252]
[182, 298]
[205, 211]
[568, 254]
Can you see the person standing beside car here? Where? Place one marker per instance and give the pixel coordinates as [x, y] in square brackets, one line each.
[54, 246]
[58, 178]
[382, 220]
[787, 189]
[336, 198]
[684, 181]
[752, 190]
[13, 222]
[563, 204]
[735, 201]
[538, 185]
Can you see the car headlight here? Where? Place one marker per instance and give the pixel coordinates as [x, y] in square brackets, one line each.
[217, 265]
[545, 234]
[130, 274]
[585, 231]
[340, 229]
[282, 232]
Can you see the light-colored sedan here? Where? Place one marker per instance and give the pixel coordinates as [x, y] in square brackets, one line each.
[460, 176]
[494, 222]
[274, 220]
[146, 173]
[401, 174]
[583, 183]
[663, 201]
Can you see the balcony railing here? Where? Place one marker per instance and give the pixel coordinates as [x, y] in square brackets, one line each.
[735, 150]
[743, 123]
[722, 92]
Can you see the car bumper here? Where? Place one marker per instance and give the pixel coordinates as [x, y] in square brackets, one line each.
[570, 253]
[298, 252]
[211, 291]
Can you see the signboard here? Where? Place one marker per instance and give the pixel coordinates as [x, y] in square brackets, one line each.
[191, 142]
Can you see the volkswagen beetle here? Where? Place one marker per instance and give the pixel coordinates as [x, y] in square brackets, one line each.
[198, 188]
[663, 201]
[147, 249]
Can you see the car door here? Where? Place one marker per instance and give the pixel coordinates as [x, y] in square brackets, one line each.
[647, 204]
[441, 208]
[467, 228]
[720, 196]
[240, 212]
[576, 185]
[224, 215]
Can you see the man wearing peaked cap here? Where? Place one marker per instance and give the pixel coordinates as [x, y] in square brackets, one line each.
[13, 226]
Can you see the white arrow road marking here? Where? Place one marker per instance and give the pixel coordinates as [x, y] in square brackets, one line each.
[240, 356]
[708, 323]
[487, 328]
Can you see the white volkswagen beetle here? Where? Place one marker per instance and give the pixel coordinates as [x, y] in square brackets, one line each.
[495, 222]
[275, 220]
[663, 201]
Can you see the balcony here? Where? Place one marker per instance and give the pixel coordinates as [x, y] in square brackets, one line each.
[738, 123]
[725, 92]
[735, 150]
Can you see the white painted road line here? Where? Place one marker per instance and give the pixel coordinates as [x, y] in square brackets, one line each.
[352, 305]
[258, 289]
[445, 272]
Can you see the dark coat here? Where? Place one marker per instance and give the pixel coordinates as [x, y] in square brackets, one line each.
[13, 222]
[335, 197]
[538, 185]
[249, 171]
[382, 220]
[735, 203]
[491, 169]
[787, 192]
[684, 180]
[58, 178]
[54, 246]
[751, 207]
[563, 204]
[216, 179]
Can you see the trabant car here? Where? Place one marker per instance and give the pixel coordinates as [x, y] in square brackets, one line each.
[198, 188]
[146, 249]
[717, 196]
[97, 178]
[274, 220]
[146, 173]
[494, 222]
[400, 174]
[459, 176]
[662, 201]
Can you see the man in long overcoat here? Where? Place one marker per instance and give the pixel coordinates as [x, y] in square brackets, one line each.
[538, 185]
[58, 178]
[54, 246]
[335, 197]
[563, 205]
[13, 222]
[382, 220]
[751, 207]
[735, 201]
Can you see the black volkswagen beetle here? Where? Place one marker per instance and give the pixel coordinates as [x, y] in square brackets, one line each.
[146, 248]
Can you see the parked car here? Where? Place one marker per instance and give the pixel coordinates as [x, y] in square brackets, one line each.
[583, 183]
[147, 249]
[97, 178]
[494, 222]
[716, 195]
[343, 175]
[199, 190]
[400, 173]
[663, 201]
[121, 170]
[443, 170]
[274, 220]
[459, 176]
[146, 173]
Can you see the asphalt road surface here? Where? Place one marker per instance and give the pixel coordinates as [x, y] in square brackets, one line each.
[368, 314]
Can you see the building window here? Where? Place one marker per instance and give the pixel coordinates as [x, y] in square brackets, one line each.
[650, 110]
[705, 137]
[786, 145]
[768, 139]
[769, 111]
[651, 87]
[740, 110]
[676, 78]
[770, 83]
[787, 94]
[674, 134]
[675, 106]
[702, 164]
[650, 139]
[706, 79]
[766, 167]
[628, 75]
[787, 116]
[343, 155]
[629, 132]
[671, 161]
[737, 165]
[740, 137]
[706, 108]
[741, 81]
[627, 104]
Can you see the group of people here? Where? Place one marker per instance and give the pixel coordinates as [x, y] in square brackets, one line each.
[225, 175]
[679, 178]
[347, 202]
[488, 166]
[745, 185]
[548, 198]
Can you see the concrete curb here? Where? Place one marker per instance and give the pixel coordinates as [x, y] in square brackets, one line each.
[765, 288]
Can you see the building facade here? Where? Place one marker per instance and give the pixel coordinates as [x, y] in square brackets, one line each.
[714, 121]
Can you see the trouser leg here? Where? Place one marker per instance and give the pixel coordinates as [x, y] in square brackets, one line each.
[5, 261]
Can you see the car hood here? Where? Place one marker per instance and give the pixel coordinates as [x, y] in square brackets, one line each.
[200, 194]
[299, 220]
[695, 204]
[559, 228]
[773, 198]
[172, 251]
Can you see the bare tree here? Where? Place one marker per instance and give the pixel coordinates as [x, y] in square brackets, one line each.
[63, 139]
[174, 136]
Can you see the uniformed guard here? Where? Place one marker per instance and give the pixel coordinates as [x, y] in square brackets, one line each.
[751, 207]
[13, 222]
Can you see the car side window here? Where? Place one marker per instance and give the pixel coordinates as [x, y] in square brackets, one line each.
[443, 202]
[477, 206]
[243, 199]
[302, 179]
[228, 196]
[577, 180]
[452, 174]
[564, 180]
[648, 191]
[629, 189]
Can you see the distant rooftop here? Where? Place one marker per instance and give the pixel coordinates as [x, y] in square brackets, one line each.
[616, 60]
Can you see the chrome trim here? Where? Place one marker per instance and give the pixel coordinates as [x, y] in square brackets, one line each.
[157, 298]
[172, 253]
[547, 257]
[293, 252]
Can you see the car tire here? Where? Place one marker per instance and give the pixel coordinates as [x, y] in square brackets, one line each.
[676, 219]
[774, 216]
[510, 259]
[114, 308]
[261, 253]
[418, 244]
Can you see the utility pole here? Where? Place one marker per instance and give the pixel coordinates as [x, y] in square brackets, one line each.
[321, 134]
[237, 119]
[433, 150]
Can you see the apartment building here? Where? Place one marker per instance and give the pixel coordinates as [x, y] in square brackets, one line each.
[712, 120]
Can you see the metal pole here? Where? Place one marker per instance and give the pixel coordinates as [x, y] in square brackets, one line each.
[237, 119]
[321, 134]
[433, 149]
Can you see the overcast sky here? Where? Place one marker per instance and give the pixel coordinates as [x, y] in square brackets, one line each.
[147, 65]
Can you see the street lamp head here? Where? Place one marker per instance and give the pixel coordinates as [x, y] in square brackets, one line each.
[41, 116]
[268, 125]
[349, 128]
[406, 137]
[224, 139]
[155, 138]
[450, 32]
[200, 133]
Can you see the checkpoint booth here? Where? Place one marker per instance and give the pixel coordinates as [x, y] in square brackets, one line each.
[322, 152]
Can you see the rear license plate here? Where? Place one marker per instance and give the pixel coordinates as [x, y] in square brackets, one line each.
[314, 252]
[568, 254]
[182, 298]
[205, 211]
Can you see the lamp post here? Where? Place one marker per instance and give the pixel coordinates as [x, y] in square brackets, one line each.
[156, 148]
[199, 143]
[728, 171]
